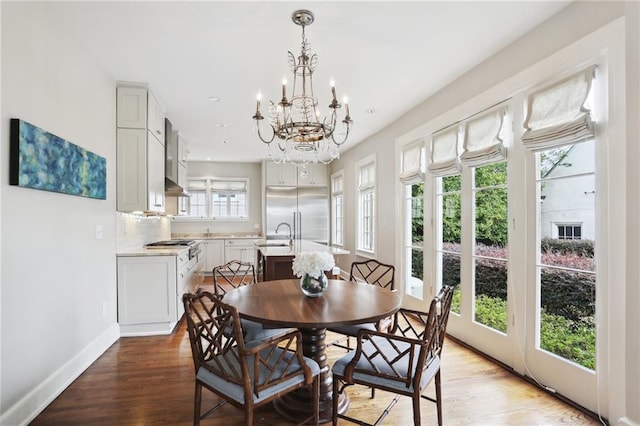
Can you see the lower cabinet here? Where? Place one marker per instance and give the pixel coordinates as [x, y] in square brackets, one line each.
[239, 249]
[214, 250]
[150, 290]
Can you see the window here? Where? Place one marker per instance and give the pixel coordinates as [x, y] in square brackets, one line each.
[569, 232]
[412, 176]
[337, 221]
[220, 199]
[482, 193]
[197, 198]
[366, 172]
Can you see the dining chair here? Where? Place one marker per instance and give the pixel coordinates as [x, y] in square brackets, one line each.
[371, 272]
[246, 377]
[403, 362]
[232, 275]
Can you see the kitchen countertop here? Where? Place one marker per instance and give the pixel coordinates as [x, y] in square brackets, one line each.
[169, 251]
[217, 236]
[298, 247]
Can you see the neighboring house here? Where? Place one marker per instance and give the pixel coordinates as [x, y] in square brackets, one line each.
[567, 209]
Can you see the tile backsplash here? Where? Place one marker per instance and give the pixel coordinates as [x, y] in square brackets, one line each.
[134, 231]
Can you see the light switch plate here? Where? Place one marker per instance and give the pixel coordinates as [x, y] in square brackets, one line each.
[99, 232]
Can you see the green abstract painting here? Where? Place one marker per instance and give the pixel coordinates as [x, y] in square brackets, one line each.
[41, 160]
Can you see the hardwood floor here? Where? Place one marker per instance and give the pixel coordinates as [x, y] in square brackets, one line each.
[150, 381]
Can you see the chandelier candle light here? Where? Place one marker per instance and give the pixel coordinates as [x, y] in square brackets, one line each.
[302, 137]
[310, 267]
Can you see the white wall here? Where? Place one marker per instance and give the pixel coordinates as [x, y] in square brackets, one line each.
[569, 25]
[632, 298]
[56, 277]
[213, 169]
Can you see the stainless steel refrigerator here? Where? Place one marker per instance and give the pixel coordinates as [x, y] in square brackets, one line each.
[304, 209]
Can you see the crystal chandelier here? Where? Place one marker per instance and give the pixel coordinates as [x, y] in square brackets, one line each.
[302, 137]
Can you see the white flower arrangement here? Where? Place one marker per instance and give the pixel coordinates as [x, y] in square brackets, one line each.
[312, 263]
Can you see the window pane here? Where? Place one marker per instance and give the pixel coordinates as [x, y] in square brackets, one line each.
[491, 217]
[367, 229]
[197, 203]
[491, 175]
[218, 205]
[567, 314]
[451, 276]
[491, 293]
[417, 213]
[415, 269]
[337, 219]
[451, 220]
[451, 183]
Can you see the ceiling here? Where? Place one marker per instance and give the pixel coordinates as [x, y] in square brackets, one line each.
[387, 57]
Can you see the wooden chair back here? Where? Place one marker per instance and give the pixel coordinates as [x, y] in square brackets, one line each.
[373, 272]
[232, 275]
[423, 335]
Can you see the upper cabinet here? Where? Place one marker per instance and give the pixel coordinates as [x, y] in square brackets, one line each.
[132, 108]
[283, 174]
[140, 151]
[155, 117]
[313, 175]
[182, 150]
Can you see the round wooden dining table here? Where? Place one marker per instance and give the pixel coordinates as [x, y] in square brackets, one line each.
[280, 303]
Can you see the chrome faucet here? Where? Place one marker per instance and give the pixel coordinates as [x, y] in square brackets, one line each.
[290, 234]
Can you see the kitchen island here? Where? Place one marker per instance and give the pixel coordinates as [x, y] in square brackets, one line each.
[274, 257]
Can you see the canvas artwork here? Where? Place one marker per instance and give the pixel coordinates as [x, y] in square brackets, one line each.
[41, 160]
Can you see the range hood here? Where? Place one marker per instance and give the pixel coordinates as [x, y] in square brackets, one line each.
[171, 186]
[172, 189]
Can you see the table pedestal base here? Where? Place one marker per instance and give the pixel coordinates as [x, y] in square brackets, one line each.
[298, 405]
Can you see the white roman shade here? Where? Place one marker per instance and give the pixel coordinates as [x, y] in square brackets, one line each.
[197, 185]
[228, 185]
[412, 163]
[444, 153]
[367, 178]
[482, 139]
[557, 115]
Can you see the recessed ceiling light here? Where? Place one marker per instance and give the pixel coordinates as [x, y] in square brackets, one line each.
[221, 125]
[216, 99]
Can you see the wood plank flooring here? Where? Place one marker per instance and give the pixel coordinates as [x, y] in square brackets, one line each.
[150, 381]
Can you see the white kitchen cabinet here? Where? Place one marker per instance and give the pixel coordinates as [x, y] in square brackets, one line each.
[139, 151]
[139, 172]
[155, 118]
[182, 175]
[147, 294]
[131, 107]
[313, 175]
[138, 108]
[150, 290]
[214, 254]
[241, 249]
[182, 150]
[283, 174]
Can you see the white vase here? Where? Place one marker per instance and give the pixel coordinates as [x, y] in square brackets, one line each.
[314, 287]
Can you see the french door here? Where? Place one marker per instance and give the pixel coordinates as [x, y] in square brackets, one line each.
[561, 331]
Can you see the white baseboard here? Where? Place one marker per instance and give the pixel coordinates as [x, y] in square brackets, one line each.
[25, 410]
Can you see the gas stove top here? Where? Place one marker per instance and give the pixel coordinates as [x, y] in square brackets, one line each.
[171, 243]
